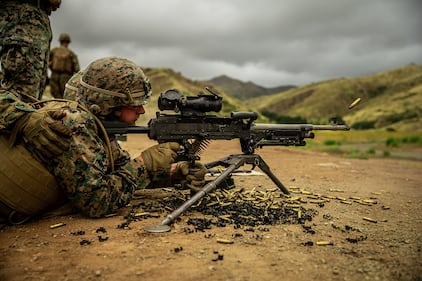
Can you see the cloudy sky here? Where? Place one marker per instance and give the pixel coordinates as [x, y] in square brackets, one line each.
[269, 42]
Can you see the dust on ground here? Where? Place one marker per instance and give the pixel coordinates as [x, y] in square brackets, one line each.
[370, 219]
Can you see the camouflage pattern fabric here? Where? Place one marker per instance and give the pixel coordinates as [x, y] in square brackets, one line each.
[25, 37]
[59, 77]
[96, 174]
[11, 109]
[43, 130]
[84, 171]
[113, 82]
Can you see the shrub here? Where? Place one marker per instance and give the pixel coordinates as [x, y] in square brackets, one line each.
[393, 142]
[412, 139]
[330, 142]
[364, 125]
[371, 151]
[386, 153]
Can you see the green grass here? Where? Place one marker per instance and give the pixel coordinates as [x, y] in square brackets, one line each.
[368, 136]
[367, 143]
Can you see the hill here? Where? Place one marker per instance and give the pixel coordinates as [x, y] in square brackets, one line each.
[244, 90]
[390, 99]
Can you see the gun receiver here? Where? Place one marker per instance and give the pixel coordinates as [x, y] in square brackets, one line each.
[191, 125]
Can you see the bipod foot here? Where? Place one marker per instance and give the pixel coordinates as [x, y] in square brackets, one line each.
[157, 228]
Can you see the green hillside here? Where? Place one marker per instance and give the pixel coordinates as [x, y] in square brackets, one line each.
[244, 90]
[390, 99]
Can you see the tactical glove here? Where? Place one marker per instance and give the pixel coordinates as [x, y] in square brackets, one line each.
[160, 156]
[193, 175]
[45, 131]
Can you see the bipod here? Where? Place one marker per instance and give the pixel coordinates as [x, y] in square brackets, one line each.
[231, 163]
[252, 159]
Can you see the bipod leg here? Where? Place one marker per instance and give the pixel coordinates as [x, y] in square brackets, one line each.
[266, 169]
[164, 225]
[256, 161]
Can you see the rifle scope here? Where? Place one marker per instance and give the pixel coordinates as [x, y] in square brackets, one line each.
[174, 100]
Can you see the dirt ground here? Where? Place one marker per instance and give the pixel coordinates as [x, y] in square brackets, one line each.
[371, 218]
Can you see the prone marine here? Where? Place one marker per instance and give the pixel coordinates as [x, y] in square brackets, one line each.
[95, 176]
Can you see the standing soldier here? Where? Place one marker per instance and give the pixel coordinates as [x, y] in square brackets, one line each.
[63, 64]
[25, 37]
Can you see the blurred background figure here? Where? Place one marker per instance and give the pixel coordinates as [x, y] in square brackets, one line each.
[63, 63]
[25, 37]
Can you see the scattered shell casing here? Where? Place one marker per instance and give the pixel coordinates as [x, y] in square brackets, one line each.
[57, 225]
[369, 219]
[141, 214]
[346, 202]
[369, 201]
[110, 215]
[324, 243]
[224, 241]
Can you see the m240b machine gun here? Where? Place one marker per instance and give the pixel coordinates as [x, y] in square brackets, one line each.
[192, 127]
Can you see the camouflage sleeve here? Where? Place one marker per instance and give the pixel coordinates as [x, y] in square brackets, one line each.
[85, 171]
[11, 109]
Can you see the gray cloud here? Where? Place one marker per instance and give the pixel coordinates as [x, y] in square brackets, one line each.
[269, 42]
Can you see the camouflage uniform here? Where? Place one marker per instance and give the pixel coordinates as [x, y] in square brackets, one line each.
[85, 173]
[11, 108]
[63, 63]
[25, 37]
[96, 174]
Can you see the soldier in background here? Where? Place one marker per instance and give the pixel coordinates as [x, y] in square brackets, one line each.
[25, 37]
[63, 63]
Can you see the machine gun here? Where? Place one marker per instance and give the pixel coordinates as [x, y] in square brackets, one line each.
[192, 127]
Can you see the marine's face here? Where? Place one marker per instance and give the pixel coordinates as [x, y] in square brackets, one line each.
[129, 114]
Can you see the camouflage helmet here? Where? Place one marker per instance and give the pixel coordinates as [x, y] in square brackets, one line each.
[112, 82]
[64, 37]
[71, 87]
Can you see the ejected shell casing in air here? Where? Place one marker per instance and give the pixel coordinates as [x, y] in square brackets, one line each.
[354, 103]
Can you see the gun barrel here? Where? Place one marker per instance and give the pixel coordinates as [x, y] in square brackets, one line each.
[301, 127]
[121, 128]
[138, 129]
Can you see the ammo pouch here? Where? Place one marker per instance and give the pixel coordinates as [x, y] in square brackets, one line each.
[27, 188]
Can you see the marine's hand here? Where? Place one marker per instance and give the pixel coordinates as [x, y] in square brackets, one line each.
[193, 175]
[45, 130]
[160, 156]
